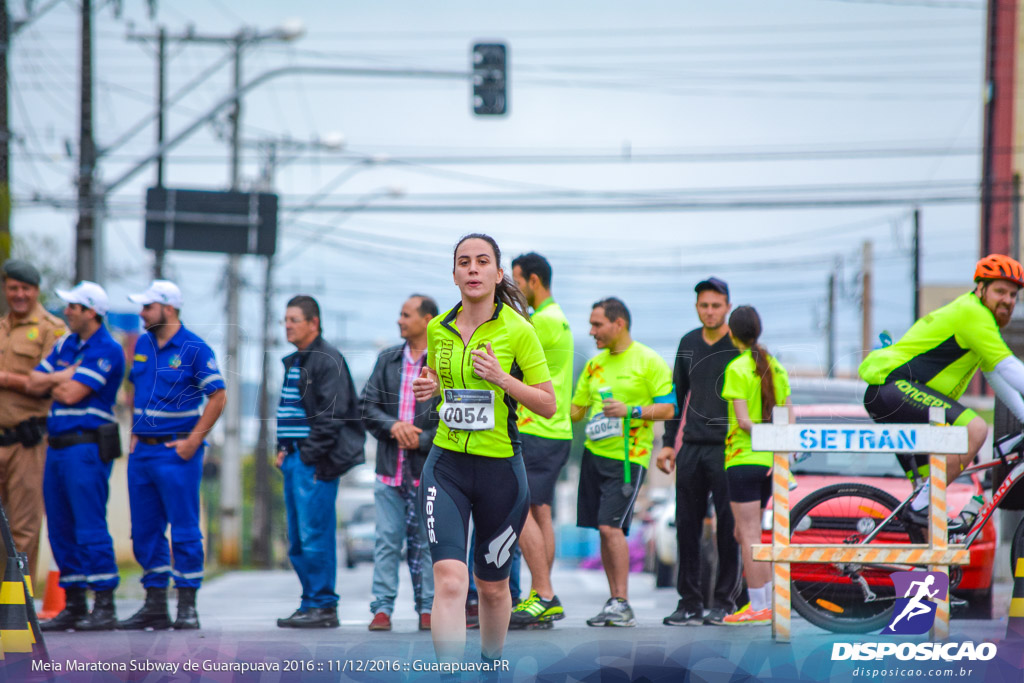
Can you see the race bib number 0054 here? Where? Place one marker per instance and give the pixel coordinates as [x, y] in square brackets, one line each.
[469, 410]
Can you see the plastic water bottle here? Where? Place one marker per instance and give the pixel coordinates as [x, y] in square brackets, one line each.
[970, 511]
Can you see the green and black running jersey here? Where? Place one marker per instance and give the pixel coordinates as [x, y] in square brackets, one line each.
[476, 416]
[942, 350]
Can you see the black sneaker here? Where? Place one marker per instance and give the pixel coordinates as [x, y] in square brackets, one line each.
[716, 617]
[685, 617]
[314, 617]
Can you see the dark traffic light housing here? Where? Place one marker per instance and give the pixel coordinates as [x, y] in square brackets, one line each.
[490, 94]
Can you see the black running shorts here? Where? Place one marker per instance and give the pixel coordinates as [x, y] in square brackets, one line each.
[748, 483]
[544, 459]
[604, 498]
[492, 490]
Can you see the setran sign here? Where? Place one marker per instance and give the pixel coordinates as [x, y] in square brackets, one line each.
[862, 438]
[202, 220]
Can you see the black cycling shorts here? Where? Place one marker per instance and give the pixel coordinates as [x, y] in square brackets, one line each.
[905, 402]
[748, 483]
[604, 498]
[544, 459]
[492, 490]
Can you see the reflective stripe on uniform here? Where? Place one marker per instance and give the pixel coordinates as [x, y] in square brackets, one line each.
[209, 378]
[92, 373]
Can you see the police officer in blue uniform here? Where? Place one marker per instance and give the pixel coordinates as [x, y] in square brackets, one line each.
[82, 373]
[173, 371]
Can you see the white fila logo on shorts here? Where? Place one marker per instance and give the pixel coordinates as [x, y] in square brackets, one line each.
[500, 548]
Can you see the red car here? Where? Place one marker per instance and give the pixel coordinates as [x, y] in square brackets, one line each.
[827, 523]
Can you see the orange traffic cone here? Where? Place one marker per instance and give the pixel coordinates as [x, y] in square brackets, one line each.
[53, 597]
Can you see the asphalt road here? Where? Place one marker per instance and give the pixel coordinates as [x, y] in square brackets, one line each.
[238, 612]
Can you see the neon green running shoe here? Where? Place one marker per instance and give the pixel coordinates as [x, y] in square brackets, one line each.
[536, 612]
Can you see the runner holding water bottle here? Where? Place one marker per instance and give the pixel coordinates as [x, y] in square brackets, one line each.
[625, 388]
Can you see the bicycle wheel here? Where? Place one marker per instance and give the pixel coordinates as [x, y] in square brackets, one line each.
[846, 597]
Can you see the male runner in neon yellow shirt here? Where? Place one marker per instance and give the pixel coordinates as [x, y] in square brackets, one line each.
[546, 443]
[625, 388]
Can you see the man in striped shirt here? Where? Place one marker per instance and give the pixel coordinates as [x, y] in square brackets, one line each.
[315, 401]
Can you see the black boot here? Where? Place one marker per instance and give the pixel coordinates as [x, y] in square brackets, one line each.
[153, 614]
[103, 616]
[187, 616]
[75, 608]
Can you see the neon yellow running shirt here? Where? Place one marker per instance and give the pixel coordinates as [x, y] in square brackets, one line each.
[942, 350]
[552, 329]
[638, 377]
[519, 352]
[742, 382]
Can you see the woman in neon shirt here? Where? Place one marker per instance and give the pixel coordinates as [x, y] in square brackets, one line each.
[484, 358]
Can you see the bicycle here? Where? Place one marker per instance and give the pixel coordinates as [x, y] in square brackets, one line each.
[859, 598]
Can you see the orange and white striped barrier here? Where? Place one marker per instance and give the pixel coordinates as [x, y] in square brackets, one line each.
[781, 605]
[783, 438]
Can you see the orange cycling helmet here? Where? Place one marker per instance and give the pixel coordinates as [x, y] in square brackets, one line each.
[999, 267]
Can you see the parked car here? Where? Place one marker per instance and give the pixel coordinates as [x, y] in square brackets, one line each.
[358, 535]
[882, 471]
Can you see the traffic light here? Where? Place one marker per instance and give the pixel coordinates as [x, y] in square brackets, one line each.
[490, 96]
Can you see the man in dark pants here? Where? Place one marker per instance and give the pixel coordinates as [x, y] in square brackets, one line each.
[404, 430]
[699, 368]
[320, 437]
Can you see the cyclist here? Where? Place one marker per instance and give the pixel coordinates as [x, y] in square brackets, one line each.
[484, 357]
[754, 384]
[932, 364]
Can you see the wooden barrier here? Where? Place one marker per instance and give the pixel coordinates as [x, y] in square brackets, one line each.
[783, 438]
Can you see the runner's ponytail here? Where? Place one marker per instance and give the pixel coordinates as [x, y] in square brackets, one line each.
[745, 325]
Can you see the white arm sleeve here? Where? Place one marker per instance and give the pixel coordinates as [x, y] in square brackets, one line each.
[1008, 381]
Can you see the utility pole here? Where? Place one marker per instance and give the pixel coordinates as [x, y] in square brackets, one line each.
[865, 281]
[231, 466]
[86, 245]
[917, 265]
[1015, 219]
[161, 90]
[5, 140]
[262, 532]
[830, 322]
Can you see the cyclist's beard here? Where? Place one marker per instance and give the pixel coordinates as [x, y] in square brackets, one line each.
[1002, 314]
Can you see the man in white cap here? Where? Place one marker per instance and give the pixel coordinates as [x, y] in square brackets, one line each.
[82, 374]
[173, 371]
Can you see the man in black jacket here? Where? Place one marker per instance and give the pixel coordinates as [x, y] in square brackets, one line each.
[320, 437]
[404, 430]
[699, 372]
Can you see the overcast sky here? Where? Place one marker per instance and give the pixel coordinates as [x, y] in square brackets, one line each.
[743, 105]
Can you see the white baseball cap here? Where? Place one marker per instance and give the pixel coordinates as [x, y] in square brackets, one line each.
[160, 292]
[88, 294]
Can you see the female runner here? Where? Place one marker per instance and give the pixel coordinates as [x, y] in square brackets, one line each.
[754, 384]
[484, 358]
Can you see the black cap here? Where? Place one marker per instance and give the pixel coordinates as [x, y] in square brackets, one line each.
[714, 284]
[22, 272]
